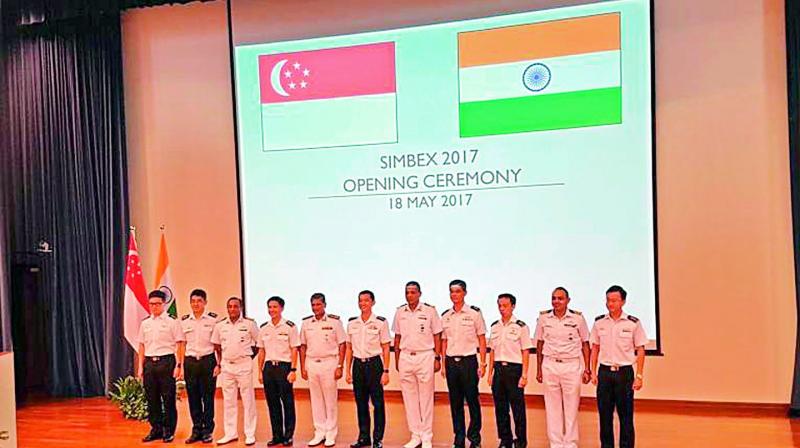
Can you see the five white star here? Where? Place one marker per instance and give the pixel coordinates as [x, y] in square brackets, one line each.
[287, 74]
[306, 72]
[303, 84]
[292, 85]
[296, 65]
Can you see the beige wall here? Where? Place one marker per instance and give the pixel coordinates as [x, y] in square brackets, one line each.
[728, 317]
[8, 406]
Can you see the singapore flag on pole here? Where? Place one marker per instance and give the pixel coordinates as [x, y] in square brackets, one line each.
[331, 97]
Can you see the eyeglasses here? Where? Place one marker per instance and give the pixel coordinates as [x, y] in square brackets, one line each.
[156, 303]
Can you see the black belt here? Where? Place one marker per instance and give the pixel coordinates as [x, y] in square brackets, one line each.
[368, 360]
[159, 358]
[615, 368]
[198, 358]
[506, 364]
[271, 363]
[460, 358]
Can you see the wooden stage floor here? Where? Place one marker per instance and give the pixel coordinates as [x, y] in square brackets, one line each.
[95, 422]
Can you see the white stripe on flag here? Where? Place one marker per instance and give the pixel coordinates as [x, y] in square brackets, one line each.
[568, 74]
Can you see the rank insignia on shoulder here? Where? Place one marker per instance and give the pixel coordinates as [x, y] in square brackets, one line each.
[495, 323]
[352, 318]
[401, 306]
[333, 316]
[263, 325]
[381, 318]
[185, 316]
[428, 304]
[600, 317]
[633, 318]
[475, 308]
[575, 312]
[308, 317]
[544, 311]
[290, 323]
[445, 311]
[212, 314]
[521, 323]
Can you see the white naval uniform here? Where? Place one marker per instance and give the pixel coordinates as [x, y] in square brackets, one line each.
[562, 369]
[322, 338]
[416, 329]
[237, 340]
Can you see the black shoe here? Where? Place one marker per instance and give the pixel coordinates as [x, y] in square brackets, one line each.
[474, 444]
[288, 442]
[169, 438]
[152, 436]
[194, 438]
[208, 438]
[377, 444]
[361, 443]
[520, 444]
[275, 441]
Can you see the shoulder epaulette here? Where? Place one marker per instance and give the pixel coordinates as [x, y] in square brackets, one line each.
[148, 317]
[475, 308]
[170, 317]
[212, 314]
[185, 316]
[290, 323]
[352, 318]
[428, 304]
[575, 312]
[544, 312]
[263, 325]
[308, 317]
[224, 320]
[495, 323]
[333, 316]
[401, 306]
[250, 318]
[445, 311]
[633, 318]
[600, 317]
[520, 323]
[381, 318]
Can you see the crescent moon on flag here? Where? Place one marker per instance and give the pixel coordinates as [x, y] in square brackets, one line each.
[275, 78]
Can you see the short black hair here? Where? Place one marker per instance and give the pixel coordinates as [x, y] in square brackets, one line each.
[318, 296]
[619, 289]
[508, 296]
[158, 293]
[561, 288]
[414, 283]
[460, 283]
[199, 293]
[241, 302]
[280, 301]
[369, 293]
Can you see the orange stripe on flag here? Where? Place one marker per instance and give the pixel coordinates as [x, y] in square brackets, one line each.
[539, 40]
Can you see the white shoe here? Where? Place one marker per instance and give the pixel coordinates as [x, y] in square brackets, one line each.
[227, 439]
[427, 444]
[250, 441]
[317, 440]
[330, 442]
[413, 443]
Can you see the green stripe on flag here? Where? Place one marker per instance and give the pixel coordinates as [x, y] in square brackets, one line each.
[541, 112]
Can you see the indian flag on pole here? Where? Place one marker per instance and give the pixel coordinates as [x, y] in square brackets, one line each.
[163, 278]
[541, 76]
[331, 97]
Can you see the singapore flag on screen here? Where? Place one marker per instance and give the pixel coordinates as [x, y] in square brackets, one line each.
[331, 97]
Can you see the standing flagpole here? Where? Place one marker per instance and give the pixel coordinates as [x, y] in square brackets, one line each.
[163, 277]
[135, 301]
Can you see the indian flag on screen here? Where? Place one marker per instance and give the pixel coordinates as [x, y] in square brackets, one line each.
[330, 97]
[543, 76]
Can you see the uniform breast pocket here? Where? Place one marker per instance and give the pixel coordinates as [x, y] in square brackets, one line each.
[148, 334]
[512, 336]
[626, 339]
[283, 337]
[373, 333]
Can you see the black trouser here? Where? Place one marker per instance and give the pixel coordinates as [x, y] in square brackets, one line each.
[462, 383]
[201, 385]
[280, 399]
[159, 387]
[367, 386]
[614, 390]
[505, 392]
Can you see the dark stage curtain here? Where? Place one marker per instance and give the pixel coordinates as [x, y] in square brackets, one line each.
[64, 166]
[793, 64]
[5, 300]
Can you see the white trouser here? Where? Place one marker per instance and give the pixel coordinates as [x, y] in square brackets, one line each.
[238, 375]
[416, 382]
[324, 393]
[562, 397]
